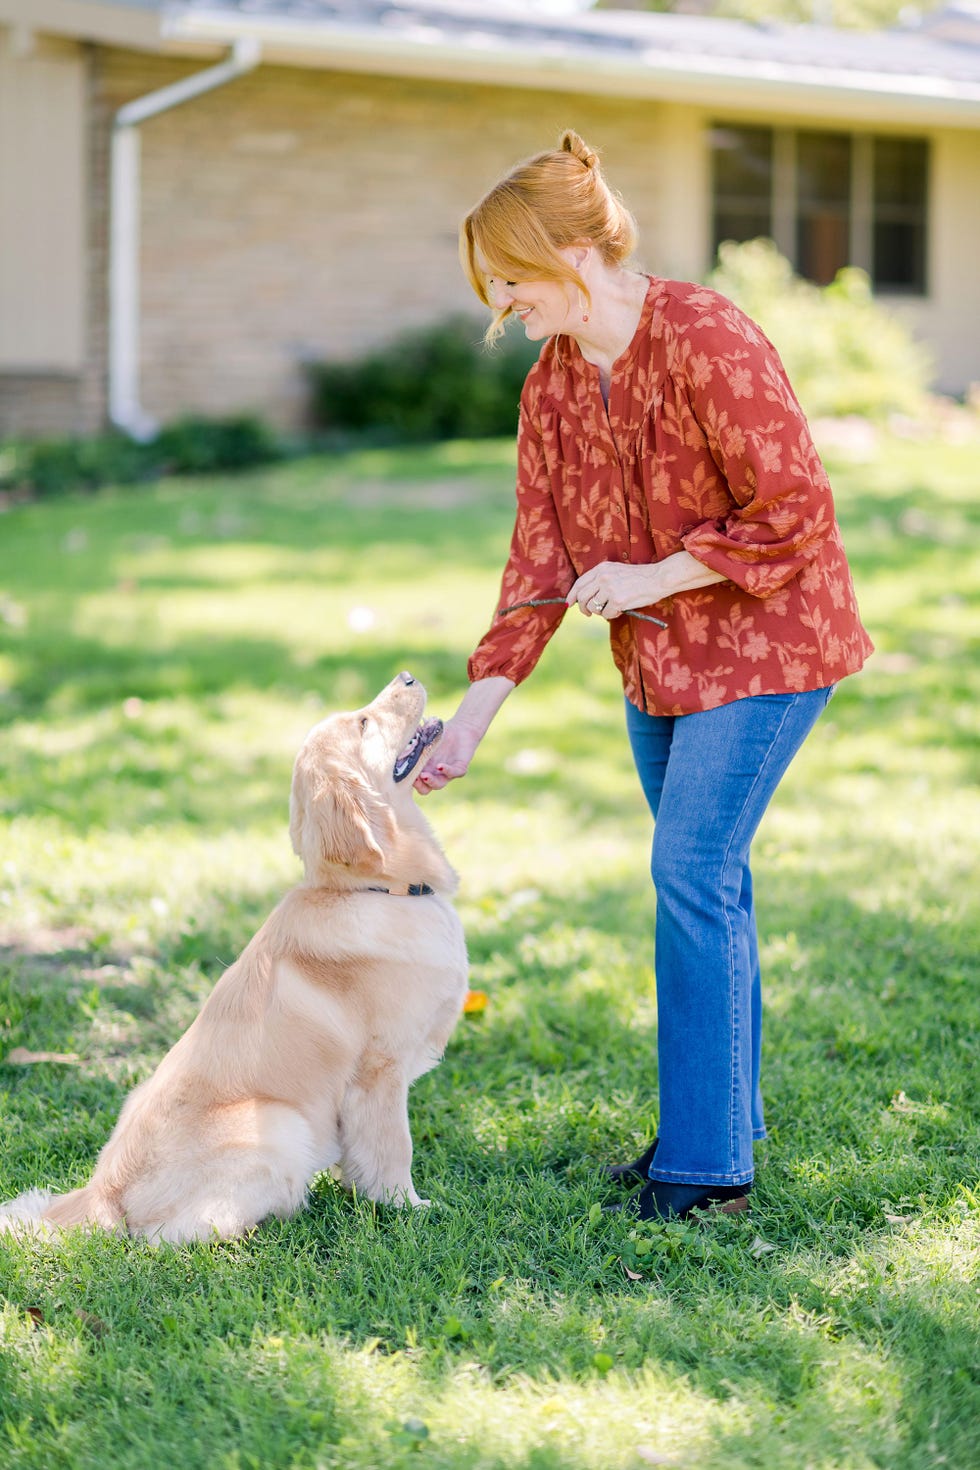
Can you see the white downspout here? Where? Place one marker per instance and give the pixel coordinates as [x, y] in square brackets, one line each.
[125, 409]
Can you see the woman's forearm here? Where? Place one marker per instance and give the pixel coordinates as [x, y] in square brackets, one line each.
[463, 733]
[682, 572]
[480, 704]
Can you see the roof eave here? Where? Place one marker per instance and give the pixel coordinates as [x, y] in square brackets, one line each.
[86, 20]
[702, 80]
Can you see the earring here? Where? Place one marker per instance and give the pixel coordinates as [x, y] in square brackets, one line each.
[581, 307]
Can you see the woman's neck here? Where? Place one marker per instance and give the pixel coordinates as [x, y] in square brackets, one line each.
[613, 316]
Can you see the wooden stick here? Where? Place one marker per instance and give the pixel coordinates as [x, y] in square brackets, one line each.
[545, 601]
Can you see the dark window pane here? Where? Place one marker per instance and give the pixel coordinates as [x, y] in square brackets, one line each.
[822, 241]
[823, 169]
[742, 183]
[899, 213]
[823, 201]
[740, 224]
[900, 171]
[899, 256]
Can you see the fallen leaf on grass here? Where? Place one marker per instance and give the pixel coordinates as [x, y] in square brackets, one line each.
[21, 1057]
[760, 1247]
[36, 1316]
[633, 1275]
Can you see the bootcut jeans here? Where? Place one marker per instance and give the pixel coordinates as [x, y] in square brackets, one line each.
[708, 778]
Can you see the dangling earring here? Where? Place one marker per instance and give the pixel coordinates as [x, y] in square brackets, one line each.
[581, 307]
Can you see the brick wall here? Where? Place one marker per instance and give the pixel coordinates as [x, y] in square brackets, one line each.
[41, 404]
[296, 215]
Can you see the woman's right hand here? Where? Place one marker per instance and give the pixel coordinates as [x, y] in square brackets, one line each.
[450, 759]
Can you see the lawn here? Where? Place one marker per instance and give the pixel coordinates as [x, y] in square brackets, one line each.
[162, 652]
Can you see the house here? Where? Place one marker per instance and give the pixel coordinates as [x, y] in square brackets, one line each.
[197, 198]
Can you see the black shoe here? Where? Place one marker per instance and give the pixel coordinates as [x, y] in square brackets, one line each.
[630, 1175]
[660, 1200]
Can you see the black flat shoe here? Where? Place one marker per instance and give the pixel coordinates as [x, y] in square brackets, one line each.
[659, 1200]
[630, 1175]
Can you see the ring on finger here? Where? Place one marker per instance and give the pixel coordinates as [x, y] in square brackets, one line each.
[595, 603]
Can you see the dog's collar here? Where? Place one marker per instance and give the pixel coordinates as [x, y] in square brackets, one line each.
[415, 890]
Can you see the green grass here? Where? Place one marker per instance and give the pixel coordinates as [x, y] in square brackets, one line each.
[162, 652]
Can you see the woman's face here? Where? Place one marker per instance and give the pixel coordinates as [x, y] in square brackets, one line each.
[545, 307]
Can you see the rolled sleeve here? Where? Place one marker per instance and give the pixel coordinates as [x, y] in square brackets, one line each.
[758, 436]
[538, 566]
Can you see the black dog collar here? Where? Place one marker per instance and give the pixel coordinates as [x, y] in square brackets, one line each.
[415, 890]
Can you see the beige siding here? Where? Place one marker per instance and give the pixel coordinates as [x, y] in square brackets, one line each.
[42, 210]
[949, 315]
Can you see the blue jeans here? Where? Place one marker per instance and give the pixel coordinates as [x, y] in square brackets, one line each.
[708, 778]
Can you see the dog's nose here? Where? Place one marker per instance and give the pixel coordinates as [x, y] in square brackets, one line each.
[406, 678]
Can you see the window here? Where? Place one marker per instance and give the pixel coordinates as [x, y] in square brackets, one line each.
[899, 213]
[828, 199]
[743, 183]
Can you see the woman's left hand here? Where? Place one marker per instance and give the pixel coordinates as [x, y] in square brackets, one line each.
[612, 587]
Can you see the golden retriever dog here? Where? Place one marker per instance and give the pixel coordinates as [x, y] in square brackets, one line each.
[302, 1056]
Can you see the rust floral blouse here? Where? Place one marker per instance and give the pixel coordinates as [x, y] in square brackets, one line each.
[703, 448]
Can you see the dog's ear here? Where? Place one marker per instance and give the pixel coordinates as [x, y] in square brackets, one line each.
[339, 822]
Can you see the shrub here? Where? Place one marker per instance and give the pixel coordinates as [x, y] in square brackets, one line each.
[201, 446]
[52, 466]
[843, 351]
[189, 446]
[436, 382]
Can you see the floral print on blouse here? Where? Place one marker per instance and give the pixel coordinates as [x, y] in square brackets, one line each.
[703, 448]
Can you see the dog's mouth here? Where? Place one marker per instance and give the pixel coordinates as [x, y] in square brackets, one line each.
[427, 734]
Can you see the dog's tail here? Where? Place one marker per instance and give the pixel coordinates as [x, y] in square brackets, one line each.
[40, 1212]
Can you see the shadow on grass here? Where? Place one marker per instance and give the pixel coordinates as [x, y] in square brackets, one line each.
[168, 765]
[870, 1042]
[510, 1273]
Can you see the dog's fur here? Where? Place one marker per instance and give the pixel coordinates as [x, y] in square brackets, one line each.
[302, 1056]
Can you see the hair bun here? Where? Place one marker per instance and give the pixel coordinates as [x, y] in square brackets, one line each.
[570, 142]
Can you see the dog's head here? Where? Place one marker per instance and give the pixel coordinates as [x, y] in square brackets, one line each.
[351, 812]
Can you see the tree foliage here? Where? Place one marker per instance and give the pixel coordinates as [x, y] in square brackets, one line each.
[844, 352]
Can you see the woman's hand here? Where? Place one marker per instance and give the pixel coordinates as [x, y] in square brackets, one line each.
[614, 587]
[608, 589]
[451, 758]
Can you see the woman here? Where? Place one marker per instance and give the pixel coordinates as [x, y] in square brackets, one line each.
[666, 482]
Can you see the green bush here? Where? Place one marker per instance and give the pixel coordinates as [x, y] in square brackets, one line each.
[52, 466]
[201, 446]
[190, 446]
[436, 382]
[843, 351]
